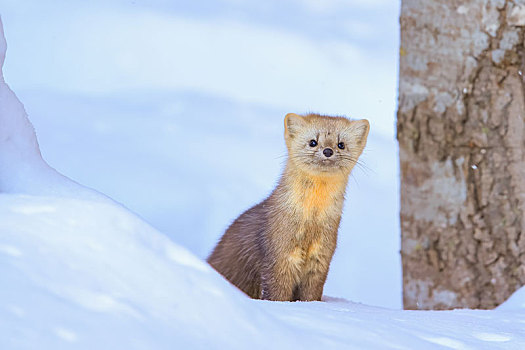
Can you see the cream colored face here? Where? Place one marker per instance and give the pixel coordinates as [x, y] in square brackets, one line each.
[322, 144]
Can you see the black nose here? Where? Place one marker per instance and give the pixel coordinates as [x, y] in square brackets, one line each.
[328, 152]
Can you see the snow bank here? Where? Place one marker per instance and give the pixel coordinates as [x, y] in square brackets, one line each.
[92, 275]
[82, 270]
[22, 169]
[3, 49]
[79, 271]
[83, 274]
[516, 302]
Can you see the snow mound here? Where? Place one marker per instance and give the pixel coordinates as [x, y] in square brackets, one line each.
[89, 275]
[80, 271]
[3, 49]
[93, 275]
[22, 169]
[515, 302]
[84, 271]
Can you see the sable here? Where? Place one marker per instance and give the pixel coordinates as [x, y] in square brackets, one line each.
[281, 248]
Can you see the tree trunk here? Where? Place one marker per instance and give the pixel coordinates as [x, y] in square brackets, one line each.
[461, 132]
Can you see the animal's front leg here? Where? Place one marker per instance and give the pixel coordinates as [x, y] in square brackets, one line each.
[316, 267]
[279, 279]
[312, 284]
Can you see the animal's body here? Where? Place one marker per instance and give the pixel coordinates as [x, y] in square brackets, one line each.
[281, 248]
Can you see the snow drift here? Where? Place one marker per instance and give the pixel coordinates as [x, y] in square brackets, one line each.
[79, 271]
[83, 270]
[22, 169]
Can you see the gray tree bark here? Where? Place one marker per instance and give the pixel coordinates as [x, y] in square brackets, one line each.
[461, 133]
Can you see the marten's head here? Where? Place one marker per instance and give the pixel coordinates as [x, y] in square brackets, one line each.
[323, 145]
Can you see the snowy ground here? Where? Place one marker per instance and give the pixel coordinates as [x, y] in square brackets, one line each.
[87, 274]
[78, 270]
[175, 109]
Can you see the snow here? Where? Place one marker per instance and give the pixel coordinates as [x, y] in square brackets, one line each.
[80, 271]
[179, 185]
[89, 275]
[93, 274]
[273, 54]
[21, 164]
[189, 155]
[515, 302]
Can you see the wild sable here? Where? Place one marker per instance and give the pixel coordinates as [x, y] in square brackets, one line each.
[281, 248]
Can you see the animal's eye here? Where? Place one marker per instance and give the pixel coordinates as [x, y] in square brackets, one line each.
[341, 145]
[313, 143]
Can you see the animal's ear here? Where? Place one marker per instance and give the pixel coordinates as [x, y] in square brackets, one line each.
[360, 129]
[292, 124]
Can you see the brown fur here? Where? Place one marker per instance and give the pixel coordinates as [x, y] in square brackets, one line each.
[281, 248]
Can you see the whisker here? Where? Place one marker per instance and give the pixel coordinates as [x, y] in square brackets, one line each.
[281, 156]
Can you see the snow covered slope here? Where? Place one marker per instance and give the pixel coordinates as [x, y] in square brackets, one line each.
[81, 274]
[22, 168]
[91, 275]
[189, 159]
[189, 164]
[79, 271]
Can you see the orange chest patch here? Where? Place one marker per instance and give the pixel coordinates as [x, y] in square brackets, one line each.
[317, 197]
